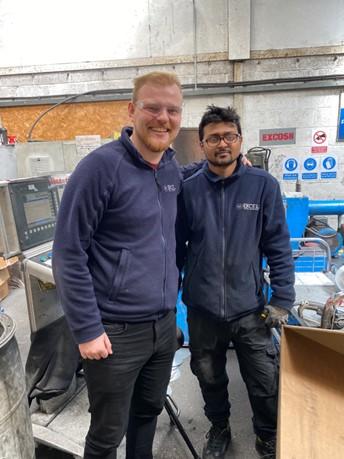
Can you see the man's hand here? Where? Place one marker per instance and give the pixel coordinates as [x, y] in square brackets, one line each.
[275, 316]
[246, 161]
[98, 348]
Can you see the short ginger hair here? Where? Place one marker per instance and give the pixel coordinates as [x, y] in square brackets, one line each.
[157, 78]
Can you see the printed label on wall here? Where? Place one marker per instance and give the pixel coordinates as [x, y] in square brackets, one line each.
[291, 169]
[328, 167]
[277, 136]
[319, 141]
[310, 168]
[86, 143]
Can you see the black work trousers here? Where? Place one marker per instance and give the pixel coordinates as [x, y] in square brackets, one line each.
[258, 362]
[127, 390]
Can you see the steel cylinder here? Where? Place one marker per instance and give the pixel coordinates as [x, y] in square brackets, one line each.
[326, 207]
[16, 439]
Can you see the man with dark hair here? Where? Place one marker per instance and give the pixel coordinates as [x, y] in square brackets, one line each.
[229, 217]
[115, 271]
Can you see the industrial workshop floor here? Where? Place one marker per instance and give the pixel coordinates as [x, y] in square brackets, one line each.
[185, 392]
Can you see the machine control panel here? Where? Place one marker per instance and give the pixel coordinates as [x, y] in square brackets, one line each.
[34, 210]
[46, 259]
[43, 258]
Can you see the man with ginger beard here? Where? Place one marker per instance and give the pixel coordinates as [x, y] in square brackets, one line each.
[115, 271]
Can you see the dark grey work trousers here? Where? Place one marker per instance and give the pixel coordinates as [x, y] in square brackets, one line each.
[258, 362]
[127, 390]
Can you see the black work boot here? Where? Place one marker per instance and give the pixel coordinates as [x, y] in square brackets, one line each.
[218, 439]
[266, 448]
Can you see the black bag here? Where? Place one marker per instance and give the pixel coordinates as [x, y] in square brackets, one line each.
[52, 362]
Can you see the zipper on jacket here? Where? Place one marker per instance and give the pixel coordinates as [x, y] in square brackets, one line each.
[223, 249]
[162, 237]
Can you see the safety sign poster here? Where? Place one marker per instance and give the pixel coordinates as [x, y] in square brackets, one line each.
[340, 134]
[291, 169]
[319, 141]
[322, 167]
[340, 131]
[310, 168]
[328, 167]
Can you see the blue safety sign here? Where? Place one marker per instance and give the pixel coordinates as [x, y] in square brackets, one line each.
[291, 169]
[291, 164]
[310, 168]
[329, 167]
[329, 163]
[340, 133]
[310, 164]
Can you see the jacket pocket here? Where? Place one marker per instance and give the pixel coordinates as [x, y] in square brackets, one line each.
[115, 329]
[256, 277]
[193, 265]
[120, 274]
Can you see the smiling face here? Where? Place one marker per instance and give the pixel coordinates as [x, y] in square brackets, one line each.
[222, 158]
[156, 116]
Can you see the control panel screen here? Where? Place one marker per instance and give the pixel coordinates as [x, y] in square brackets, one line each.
[37, 208]
[33, 210]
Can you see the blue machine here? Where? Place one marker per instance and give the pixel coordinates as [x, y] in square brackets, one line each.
[304, 220]
[182, 318]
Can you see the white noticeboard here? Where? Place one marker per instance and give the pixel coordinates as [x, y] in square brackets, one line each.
[86, 143]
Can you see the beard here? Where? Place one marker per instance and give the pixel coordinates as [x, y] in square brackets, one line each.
[222, 162]
[157, 146]
[154, 143]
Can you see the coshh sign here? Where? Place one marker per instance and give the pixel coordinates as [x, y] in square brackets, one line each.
[277, 136]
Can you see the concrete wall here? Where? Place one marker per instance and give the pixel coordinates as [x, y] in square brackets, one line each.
[39, 33]
[74, 47]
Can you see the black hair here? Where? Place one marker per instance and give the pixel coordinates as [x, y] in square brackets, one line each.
[216, 114]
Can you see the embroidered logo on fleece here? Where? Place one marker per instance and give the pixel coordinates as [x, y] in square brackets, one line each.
[248, 206]
[170, 188]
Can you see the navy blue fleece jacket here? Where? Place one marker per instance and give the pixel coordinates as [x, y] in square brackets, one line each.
[114, 246]
[224, 227]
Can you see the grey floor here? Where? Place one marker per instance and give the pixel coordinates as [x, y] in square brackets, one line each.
[168, 444]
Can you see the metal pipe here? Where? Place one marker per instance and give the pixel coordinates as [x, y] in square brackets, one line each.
[326, 207]
[321, 243]
[194, 20]
[203, 89]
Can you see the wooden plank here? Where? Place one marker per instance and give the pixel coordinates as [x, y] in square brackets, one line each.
[66, 121]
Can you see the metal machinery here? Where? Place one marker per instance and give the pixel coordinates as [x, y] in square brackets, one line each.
[318, 255]
[27, 222]
[259, 157]
[28, 209]
[306, 219]
[317, 252]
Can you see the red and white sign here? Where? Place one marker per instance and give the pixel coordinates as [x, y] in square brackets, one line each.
[319, 141]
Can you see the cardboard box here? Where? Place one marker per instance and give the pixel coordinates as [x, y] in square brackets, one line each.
[5, 262]
[3, 290]
[4, 275]
[311, 397]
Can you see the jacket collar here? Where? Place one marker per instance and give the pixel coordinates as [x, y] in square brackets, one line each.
[136, 155]
[238, 171]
